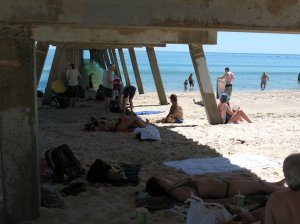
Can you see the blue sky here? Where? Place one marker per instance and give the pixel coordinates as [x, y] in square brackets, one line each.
[233, 42]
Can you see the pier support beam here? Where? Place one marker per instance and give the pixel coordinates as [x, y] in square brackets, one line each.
[156, 75]
[18, 125]
[106, 58]
[62, 58]
[41, 55]
[122, 58]
[136, 71]
[54, 71]
[204, 82]
[116, 63]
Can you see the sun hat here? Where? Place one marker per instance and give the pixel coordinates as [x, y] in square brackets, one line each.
[224, 97]
[173, 97]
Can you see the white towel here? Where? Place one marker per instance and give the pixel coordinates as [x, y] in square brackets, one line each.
[222, 164]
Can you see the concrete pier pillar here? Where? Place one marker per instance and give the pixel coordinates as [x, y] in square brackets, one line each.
[58, 55]
[136, 71]
[156, 75]
[106, 57]
[116, 63]
[18, 125]
[122, 58]
[100, 59]
[204, 81]
[41, 55]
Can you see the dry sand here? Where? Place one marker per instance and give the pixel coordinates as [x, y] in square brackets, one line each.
[275, 134]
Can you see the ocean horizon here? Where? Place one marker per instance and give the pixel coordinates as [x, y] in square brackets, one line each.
[175, 67]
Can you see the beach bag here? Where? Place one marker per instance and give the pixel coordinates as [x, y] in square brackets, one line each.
[201, 212]
[149, 133]
[63, 165]
[101, 171]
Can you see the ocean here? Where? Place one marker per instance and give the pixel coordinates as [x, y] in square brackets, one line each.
[175, 67]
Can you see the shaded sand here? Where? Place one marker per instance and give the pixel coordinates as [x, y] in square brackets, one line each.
[275, 134]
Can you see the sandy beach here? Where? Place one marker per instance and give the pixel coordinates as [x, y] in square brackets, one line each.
[274, 134]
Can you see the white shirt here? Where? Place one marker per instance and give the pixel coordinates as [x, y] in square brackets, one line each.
[108, 77]
[72, 76]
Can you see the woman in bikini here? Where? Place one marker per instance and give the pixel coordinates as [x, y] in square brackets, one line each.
[227, 114]
[175, 114]
[209, 188]
[124, 123]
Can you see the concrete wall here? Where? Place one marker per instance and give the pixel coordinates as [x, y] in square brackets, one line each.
[266, 15]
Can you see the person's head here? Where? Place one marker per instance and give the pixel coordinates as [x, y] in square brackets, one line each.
[111, 67]
[224, 98]
[226, 69]
[291, 171]
[72, 66]
[154, 188]
[173, 98]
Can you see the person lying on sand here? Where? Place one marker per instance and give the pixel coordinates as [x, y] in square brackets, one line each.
[211, 189]
[175, 114]
[124, 123]
[229, 115]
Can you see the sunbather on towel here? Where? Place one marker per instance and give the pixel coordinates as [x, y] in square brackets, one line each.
[213, 189]
[175, 114]
[124, 123]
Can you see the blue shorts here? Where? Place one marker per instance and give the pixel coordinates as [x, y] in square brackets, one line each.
[178, 120]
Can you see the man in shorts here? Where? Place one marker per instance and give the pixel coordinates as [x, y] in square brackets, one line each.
[229, 77]
[128, 93]
[108, 81]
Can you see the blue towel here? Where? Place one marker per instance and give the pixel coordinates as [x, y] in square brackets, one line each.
[145, 112]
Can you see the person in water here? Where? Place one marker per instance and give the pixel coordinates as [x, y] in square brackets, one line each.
[209, 188]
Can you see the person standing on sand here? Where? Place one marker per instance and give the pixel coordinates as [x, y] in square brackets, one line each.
[229, 77]
[264, 78]
[108, 81]
[72, 76]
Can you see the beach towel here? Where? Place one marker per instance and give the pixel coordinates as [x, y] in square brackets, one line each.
[222, 164]
[147, 112]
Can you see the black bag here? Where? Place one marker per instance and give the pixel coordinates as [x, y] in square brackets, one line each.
[114, 106]
[63, 165]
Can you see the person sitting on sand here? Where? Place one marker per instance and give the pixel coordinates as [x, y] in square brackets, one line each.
[124, 123]
[175, 114]
[212, 189]
[283, 207]
[227, 114]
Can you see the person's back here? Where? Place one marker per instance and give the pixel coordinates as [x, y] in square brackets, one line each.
[283, 207]
[229, 76]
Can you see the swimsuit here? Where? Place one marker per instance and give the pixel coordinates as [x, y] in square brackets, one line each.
[178, 120]
[188, 182]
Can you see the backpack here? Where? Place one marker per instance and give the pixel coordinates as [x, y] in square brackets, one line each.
[63, 165]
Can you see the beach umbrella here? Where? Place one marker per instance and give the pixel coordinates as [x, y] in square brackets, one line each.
[58, 86]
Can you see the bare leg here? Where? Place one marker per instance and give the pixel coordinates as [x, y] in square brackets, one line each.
[246, 187]
[106, 104]
[235, 118]
[130, 122]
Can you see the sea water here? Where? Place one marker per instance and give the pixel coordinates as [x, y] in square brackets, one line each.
[175, 67]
